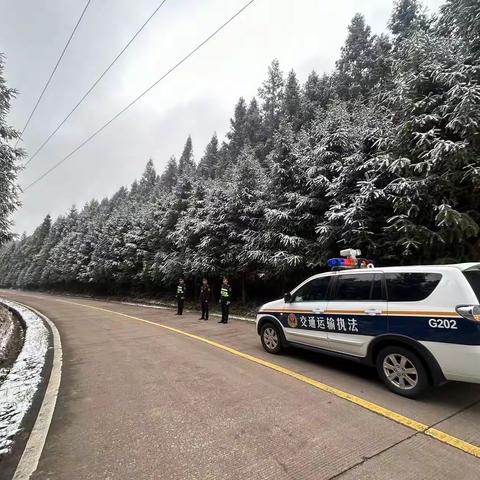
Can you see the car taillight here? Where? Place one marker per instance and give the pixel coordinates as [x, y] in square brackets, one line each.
[470, 312]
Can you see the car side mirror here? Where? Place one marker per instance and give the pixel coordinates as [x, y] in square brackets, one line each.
[287, 297]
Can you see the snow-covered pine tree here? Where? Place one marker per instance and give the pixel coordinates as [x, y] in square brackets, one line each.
[212, 257]
[460, 19]
[392, 166]
[186, 162]
[271, 94]
[292, 101]
[284, 238]
[254, 126]
[429, 169]
[148, 184]
[248, 200]
[153, 223]
[9, 159]
[316, 94]
[381, 71]
[62, 260]
[166, 266]
[35, 261]
[340, 174]
[357, 60]
[408, 17]
[105, 268]
[168, 179]
[188, 232]
[208, 165]
[13, 261]
[228, 222]
[54, 236]
[237, 135]
[322, 151]
[7, 257]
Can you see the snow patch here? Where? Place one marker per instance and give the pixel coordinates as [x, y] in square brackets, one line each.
[145, 305]
[19, 388]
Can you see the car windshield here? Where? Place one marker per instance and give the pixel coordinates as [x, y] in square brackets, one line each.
[473, 277]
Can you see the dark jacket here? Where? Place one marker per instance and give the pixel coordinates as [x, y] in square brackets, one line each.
[204, 293]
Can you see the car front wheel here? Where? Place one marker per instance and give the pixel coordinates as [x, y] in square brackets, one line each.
[402, 371]
[271, 339]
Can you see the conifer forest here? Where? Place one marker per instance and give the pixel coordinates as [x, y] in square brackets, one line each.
[381, 154]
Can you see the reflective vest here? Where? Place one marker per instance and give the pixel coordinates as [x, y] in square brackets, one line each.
[225, 293]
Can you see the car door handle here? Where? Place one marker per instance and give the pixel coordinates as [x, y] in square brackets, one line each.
[373, 311]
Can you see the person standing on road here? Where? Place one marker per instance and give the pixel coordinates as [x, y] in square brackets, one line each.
[204, 298]
[181, 289]
[225, 299]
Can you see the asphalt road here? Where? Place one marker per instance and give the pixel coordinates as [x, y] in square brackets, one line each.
[141, 402]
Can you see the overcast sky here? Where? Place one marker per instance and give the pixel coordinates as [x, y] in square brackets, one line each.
[197, 99]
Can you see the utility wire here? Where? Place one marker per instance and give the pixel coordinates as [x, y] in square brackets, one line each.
[59, 126]
[184, 59]
[53, 71]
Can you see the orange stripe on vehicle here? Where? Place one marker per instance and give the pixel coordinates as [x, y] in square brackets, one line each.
[430, 314]
[347, 312]
[286, 310]
[363, 312]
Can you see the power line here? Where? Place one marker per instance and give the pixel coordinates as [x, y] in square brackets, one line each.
[53, 71]
[184, 59]
[59, 126]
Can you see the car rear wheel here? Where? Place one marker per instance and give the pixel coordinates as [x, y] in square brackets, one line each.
[271, 339]
[402, 371]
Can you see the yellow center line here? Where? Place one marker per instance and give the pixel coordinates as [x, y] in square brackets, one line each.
[373, 407]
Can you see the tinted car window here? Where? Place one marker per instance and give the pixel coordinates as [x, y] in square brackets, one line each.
[410, 287]
[354, 287]
[377, 293]
[315, 290]
[473, 278]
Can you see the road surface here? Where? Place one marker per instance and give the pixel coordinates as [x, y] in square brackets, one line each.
[138, 401]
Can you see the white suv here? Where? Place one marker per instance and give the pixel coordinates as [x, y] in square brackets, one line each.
[419, 325]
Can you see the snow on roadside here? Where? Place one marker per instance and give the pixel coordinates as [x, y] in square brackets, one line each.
[19, 387]
[146, 305]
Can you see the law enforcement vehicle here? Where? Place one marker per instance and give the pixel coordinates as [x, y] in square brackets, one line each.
[418, 325]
